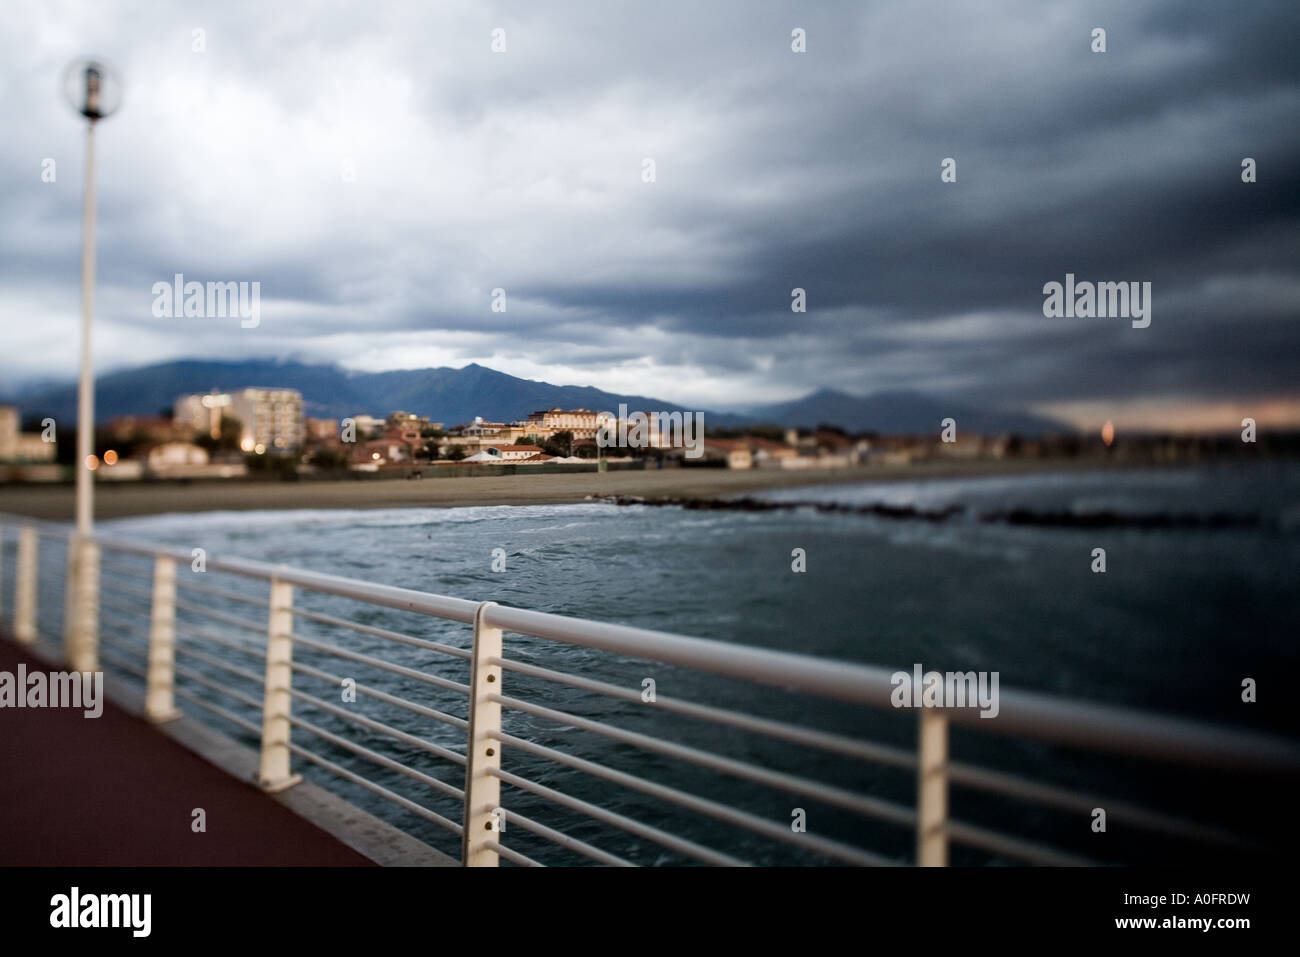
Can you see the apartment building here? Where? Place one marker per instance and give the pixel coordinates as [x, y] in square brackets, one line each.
[271, 419]
[583, 423]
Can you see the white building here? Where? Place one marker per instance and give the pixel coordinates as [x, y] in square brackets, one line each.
[172, 454]
[513, 454]
[271, 419]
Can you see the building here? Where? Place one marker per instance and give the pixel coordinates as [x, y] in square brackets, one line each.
[9, 425]
[733, 452]
[407, 422]
[366, 426]
[770, 454]
[321, 430]
[202, 412]
[19, 446]
[583, 423]
[270, 419]
[508, 455]
[393, 447]
[480, 428]
[171, 456]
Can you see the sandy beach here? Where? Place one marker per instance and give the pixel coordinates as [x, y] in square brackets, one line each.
[55, 502]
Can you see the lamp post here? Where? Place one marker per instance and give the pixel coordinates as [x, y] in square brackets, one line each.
[93, 90]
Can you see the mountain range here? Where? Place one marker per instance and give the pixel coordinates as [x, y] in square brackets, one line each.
[453, 396]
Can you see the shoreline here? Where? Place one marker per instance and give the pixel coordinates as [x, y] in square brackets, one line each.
[55, 503]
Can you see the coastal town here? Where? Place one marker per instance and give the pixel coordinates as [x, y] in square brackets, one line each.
[254, 430]
[260, 433]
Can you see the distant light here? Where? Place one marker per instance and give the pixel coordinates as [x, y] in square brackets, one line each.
[92, 462]
[1108, 432]
[246, 445]
[110, 457]
[375, 456]
[260, 449]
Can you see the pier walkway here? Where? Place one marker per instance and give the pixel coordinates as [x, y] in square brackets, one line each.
[113, 791]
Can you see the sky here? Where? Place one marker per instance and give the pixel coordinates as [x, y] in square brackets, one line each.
[379, 169]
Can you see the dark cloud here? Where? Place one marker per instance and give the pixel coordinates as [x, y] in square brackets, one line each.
[774, 170]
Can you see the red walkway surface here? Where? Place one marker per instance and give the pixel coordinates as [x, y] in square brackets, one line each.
[115, 791]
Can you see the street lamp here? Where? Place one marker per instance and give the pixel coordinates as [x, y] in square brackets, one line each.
[93, 90]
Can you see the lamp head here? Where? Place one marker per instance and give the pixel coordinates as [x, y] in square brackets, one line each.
[92, 88]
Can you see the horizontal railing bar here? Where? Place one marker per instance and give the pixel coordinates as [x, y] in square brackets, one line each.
[671, 841]
[381, 664]
[1008, 846]
[816, 790]
[253, 626]
[383, 792]
[569, 843]
[824, 740]
[383, 633]
[511, 855]
[381, 760]
[402, 599]
[835, 679]
[191, 585]
[43, 526]
[207, 659]
[1029, 714]
[379, 726]
[1057, 797]
[722, 812]
[219, 711]
[1117, 730]
[1065, 721]
[239, 696]
[336, 680]
[198, 631]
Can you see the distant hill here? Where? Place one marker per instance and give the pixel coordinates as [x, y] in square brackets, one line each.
[445, 395]
[454, 396]
[900, 413]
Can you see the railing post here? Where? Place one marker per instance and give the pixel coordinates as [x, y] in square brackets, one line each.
[81, 605]
[274, 773]
[932, 790]
[159, 701]
[482, 751]
[2, 572]
[25, 586]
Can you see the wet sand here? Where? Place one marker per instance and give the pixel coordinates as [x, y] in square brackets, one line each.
[112, 500]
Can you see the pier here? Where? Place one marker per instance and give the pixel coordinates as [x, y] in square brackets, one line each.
[271, 698]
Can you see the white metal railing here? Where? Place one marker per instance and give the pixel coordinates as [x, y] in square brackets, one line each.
[152, 643]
